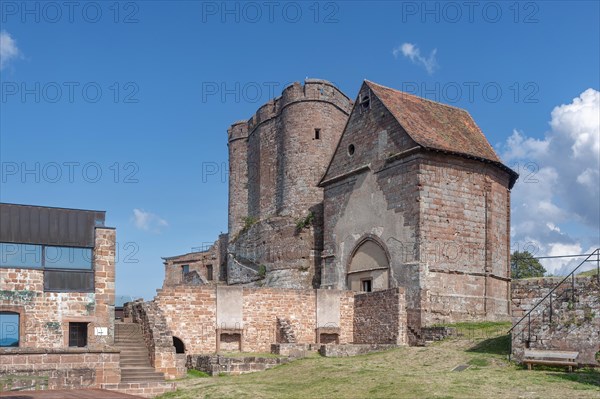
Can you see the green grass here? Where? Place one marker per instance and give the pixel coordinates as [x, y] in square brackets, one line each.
[589, 273]
[197, 374]
[407, 372]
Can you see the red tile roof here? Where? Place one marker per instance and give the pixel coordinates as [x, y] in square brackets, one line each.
[434, 125]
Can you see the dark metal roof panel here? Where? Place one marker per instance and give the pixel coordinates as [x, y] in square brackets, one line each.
[30, 224]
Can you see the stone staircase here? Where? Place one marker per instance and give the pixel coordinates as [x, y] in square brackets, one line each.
[138, 377]
[135, 361]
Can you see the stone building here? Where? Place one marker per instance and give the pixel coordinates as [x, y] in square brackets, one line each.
[415, 197]
[199, 267]
[57, 293]
[57, 307]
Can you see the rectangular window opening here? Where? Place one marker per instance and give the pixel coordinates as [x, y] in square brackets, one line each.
[367, 285]
[317, 134]
[9, 329]
[78, 335]
[209, 272]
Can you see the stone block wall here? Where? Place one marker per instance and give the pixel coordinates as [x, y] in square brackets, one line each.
[380, 317]
[575, 322]
[191, 315]
[464, 238]
[73, 368]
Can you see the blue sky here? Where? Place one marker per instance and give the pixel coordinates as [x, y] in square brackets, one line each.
[124, 106]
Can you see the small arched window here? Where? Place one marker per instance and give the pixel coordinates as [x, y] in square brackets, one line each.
[9, 329]
[179, 346]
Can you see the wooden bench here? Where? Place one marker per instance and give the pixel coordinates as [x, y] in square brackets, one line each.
[550, 358]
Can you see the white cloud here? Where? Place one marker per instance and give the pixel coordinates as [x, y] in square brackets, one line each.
[555, 202]
[8, 49]
[412, 52]
[148, 221]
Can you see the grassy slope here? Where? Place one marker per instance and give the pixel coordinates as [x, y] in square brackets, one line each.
[408, 372]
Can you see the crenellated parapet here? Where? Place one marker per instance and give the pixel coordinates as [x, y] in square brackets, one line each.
[313, 90]
[238, 130]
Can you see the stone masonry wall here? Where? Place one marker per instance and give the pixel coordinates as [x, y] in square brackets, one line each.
[191, 315]
[464, 239]
[575, 323]
[45, 316]
[72, 368]
[380, 317]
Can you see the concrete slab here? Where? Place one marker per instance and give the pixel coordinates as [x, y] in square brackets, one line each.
[70, 394]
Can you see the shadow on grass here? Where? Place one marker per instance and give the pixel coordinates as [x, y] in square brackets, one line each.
[493, 346]
[589, 377]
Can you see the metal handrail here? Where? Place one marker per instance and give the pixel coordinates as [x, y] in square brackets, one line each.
[572, 275]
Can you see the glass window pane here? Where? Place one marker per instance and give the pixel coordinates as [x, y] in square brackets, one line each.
[9, 329]
[68, 281]
[20, 255]
[67, 258]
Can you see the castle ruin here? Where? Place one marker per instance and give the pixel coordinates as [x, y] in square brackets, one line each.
[391, 190]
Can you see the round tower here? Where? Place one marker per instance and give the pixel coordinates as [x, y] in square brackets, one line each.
[313, 117]
[238, 176]
[262, 161]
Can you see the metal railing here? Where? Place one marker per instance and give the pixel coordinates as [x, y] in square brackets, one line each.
[548, 296]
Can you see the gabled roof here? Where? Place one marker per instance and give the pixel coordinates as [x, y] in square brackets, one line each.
[434, 125]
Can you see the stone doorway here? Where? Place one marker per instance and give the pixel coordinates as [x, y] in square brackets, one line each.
[369, 266]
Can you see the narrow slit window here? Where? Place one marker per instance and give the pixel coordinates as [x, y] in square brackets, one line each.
[317, 134]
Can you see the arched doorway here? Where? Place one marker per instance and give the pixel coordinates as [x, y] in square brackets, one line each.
[178, 344]
[369, 266]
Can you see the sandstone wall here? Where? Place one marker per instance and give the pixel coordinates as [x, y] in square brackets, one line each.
[573, 325]
[464, 238]
[238, 176]
[191, 315]
[380, 317]
[70, 368]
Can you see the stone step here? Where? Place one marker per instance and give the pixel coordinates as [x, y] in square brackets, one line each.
[125, 364]
[142, 377]
[133, 356]
[131, 347]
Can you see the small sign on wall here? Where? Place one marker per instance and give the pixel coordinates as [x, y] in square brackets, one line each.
[101, 331]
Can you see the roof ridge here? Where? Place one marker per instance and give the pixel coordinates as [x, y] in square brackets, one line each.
[418, 97]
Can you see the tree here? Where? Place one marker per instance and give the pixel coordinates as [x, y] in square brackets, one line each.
[524, 265]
